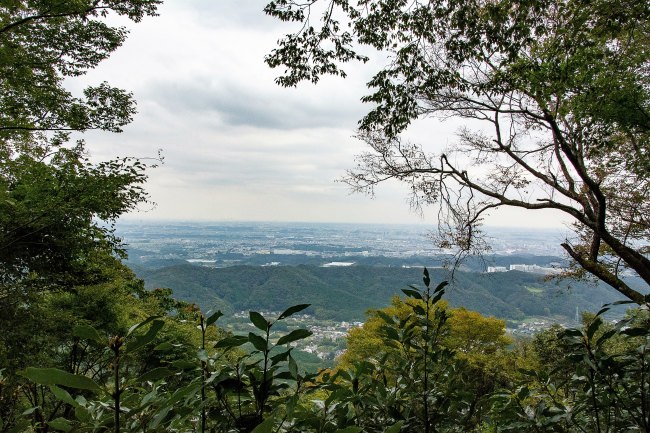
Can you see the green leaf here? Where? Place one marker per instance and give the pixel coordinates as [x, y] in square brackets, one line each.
[160, 416]
[29, 411]
[390, 332]
[142, 340]
[213, 318]
[635, 332]
[164, 346]
[282, 356]
[229, 342]
[141, 324]
[259, 321]
[441, 286]
[258, 342]
[293, 367]
[183, 364]
[437, 296]
[426, 279]
[60, 424]
[606, 336]
[292, 310]
[395, 428]
[265, 426]
[283, 375]
[419, 309]
[154, 375]
[87, 332]
[63, 395]
[296, 334]
[54, 376]
[385, 317]
[412, 293]
[593, 327]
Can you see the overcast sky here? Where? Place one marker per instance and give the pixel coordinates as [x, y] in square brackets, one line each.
[236, 145]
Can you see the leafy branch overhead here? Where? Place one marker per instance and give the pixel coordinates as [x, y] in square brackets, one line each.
[52, 197]
[43, 42]
[554, 97]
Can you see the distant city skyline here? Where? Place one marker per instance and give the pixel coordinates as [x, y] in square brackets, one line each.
[236, 145]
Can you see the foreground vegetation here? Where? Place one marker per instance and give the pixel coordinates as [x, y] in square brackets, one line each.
[111, 359]
[83, 347]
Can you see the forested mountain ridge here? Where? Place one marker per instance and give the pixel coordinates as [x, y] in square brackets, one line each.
[345, 293]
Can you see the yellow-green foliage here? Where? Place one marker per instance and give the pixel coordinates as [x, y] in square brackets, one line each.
[474, 338]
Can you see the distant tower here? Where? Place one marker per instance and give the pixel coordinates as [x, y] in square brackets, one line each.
[577, 315]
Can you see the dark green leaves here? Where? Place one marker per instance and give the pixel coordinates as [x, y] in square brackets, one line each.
[295, 335]
[412, 293]
[87, 332]
[258, 342]
[213, 318]
[259, 321]
[230, 342]
[141, 340]
[292, 310]
[54, 376]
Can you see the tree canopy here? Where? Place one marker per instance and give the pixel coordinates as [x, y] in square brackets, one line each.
[56, 203]
[555, 99]
[41, 43]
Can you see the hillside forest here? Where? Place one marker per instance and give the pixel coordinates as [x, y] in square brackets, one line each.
[86, 347]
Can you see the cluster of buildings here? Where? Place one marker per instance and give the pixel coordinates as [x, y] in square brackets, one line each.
[536, 269]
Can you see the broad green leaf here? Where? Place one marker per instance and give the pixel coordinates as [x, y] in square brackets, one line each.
[296, 334]
[87, 332]
[60, 424]
[412, 293]
[419, 309]
[154, 375]
[390, 332]
[635, 332]
[437, 296]
[142, 340]
[141, 324]
[282, 356]
[293, 367]
[183, 364]
[385, 317]
[160, 416]
[259, 321]
[292, 310]
[593, 327]
[283, 375]
[213, 318]
[265, 426]
[54, 376]
[234, 341]
[425, 278]
[440, 286]
[258, 342]
[63, 395]
[606, 336]
[81, 412]
[395, 428]
[164, 346]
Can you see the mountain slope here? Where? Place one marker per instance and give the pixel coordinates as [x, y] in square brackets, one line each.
[345, 293]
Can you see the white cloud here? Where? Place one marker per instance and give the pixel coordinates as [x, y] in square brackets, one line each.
[236, 145]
